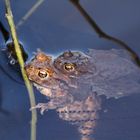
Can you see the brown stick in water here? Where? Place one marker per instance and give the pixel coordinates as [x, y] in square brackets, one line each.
[104, 35]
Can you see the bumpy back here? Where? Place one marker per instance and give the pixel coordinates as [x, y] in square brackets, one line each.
[105, 72]
[116, 75]
[74, 82]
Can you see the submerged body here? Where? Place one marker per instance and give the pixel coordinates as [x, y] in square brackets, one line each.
[73, 82]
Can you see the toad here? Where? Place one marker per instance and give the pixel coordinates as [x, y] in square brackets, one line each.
[74, 82]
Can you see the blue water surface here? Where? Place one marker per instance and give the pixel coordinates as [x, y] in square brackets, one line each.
[57, 26]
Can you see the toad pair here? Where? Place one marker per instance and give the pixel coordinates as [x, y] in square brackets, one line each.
[74, 81]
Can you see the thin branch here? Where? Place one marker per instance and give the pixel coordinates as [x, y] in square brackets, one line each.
[102, 34]
[29, 13]
[5, 33]
[10, 20]
[6, 36]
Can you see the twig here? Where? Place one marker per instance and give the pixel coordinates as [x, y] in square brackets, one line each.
[10, 20]
[29, 13]
[102, 34]
[5, 33]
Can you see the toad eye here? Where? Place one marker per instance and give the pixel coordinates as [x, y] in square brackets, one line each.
[69, 67]
[43, 73]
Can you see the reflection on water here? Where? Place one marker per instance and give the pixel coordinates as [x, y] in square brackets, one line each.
[56, 26]
[74, 81]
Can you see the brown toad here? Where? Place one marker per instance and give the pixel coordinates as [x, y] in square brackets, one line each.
[73, 82]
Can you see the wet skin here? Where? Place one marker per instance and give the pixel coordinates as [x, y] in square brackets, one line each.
[73, 82]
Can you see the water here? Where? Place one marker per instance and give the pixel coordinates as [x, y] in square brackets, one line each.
[58, 26]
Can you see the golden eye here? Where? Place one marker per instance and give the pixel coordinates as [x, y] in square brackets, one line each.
[69, 67]
[42, 73]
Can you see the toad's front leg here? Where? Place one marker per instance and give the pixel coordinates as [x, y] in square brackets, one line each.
[41, 106]
[53, 103]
